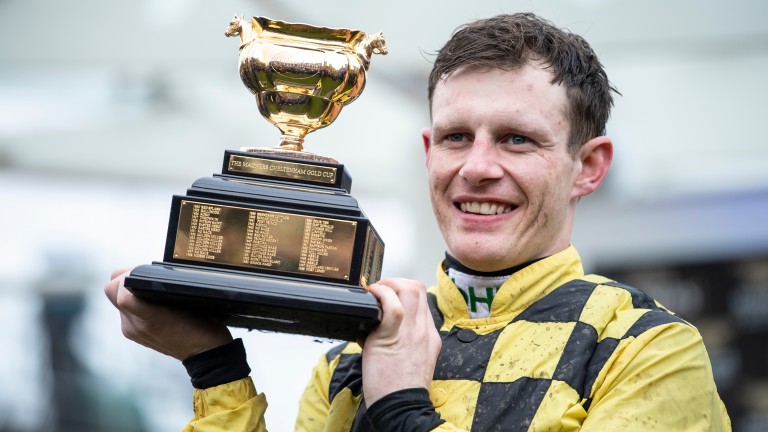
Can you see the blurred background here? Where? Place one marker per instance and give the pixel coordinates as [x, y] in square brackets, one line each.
[109, 108]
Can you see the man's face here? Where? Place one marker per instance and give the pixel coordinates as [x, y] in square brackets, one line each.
[501, 177]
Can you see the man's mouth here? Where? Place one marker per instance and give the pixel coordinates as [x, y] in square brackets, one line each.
[485, 208]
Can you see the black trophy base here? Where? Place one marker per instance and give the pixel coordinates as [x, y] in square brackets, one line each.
[255, 301]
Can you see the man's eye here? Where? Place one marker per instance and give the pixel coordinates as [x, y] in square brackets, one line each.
[517, 139]
[455, 137]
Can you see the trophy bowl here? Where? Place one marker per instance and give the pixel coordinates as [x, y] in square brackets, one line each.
[302, 75]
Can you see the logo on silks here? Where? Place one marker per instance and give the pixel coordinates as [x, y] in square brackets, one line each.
[478, 291]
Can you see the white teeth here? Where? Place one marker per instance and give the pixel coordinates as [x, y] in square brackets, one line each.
[485, 208]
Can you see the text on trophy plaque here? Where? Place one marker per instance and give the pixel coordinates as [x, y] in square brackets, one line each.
[282, 169]
[246, 237]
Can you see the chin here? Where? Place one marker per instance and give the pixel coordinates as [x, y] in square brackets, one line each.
[484, 262]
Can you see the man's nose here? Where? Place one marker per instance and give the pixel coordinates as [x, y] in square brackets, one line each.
[481, 163]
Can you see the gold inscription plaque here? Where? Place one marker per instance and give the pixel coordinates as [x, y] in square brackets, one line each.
[264, 239]
[282, 169]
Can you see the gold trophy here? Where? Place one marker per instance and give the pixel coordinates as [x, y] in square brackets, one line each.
[276, 242]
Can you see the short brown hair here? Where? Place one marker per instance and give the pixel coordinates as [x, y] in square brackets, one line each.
[510, 42]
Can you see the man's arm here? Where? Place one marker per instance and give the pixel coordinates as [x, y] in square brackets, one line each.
[206, 347]
[398, 361]
[230, 407]
[401, 352]
[177, 333]
[399, 358]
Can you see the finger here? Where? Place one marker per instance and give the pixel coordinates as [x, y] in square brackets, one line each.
[424, 309]
[129, 327]
[119, 272]
[127, 302]
[411, 294]
[113, 286]
[386, 296]
[111, 290]
[398, 285]
[136, 329]
[391, 307]
[406, 289]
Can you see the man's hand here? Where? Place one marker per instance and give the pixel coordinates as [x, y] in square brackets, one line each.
[402, 351]
[176, 333]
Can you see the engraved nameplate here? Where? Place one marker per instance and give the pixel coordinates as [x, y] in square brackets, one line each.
[262, 239]
[282, 169]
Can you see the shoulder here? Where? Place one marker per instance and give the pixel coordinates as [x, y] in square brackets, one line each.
[617, 310]
[650, 359]
[633, 330]
[608, 307]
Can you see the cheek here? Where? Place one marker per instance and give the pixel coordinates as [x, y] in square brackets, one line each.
[433, 183]
[555, 201]
[538, 208]
[439, 179]
[436, 193]
[546, 197]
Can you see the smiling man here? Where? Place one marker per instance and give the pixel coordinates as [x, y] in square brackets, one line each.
[514, 336]
[503, 179]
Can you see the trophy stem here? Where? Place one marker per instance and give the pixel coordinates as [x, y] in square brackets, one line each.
[292, 143]
[291, 147]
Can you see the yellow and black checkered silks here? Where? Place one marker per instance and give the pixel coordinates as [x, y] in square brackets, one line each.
[561, 351]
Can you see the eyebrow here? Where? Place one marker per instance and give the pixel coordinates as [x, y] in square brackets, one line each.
[516, 126]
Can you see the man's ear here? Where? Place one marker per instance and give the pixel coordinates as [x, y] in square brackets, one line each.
[595, 155]
[426, 135]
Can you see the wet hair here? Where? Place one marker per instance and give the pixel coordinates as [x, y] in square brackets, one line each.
[510, 42]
